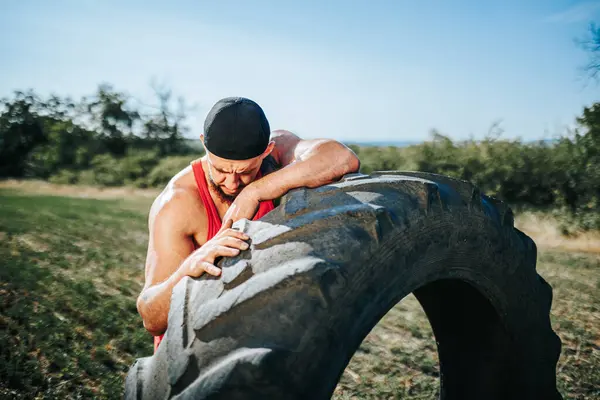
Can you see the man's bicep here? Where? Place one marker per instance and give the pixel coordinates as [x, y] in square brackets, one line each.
[168, 247]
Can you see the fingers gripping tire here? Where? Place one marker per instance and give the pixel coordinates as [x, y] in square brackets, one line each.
[286, 316]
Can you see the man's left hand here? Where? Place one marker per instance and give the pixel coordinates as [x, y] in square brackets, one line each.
[245, 205]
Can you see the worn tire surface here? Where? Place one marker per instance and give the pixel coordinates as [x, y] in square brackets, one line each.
[287, 315]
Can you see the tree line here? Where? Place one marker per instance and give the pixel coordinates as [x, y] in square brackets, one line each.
[561, 175]
[110, 139]
[107, 138]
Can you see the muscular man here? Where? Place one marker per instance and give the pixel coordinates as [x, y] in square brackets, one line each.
[244, 169]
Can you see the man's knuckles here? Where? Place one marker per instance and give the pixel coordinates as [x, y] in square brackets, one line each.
[201, 267]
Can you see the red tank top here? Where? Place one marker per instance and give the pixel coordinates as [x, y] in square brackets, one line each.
[214, 220]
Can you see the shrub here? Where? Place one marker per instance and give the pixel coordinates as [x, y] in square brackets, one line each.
[167, 168]
[65, 177]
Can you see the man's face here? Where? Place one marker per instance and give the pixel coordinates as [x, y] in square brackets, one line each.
[229, 177]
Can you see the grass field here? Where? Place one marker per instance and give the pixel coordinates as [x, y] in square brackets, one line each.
[71, 267]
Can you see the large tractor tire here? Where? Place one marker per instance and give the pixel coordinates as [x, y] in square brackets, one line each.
[286, 316]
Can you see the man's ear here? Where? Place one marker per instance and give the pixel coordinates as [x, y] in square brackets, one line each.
[269, 149]
[202, 141]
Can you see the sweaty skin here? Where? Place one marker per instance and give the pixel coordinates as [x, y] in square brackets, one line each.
[178, 223]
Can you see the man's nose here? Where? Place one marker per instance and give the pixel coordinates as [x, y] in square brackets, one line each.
[232, 182]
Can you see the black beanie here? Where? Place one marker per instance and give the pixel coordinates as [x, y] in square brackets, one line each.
[236, 128]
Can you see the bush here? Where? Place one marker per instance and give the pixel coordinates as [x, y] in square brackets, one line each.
[137, 165]
[140, 168]
[65, 177]
[87, 178]
[167, 168]
[516, 172]
[107, 171]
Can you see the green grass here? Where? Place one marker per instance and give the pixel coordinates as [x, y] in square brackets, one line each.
[71, 269]
[70, 272]
[397, 360]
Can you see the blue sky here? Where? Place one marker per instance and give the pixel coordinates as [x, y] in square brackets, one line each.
[350, 70]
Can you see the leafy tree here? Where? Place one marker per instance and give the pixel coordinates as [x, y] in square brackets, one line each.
[112, 118]
[21, 130]
[591, 44]
[590, 158]
[165, 128]
[106, 141]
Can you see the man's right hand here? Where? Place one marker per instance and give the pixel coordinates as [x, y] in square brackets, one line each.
[226, 243]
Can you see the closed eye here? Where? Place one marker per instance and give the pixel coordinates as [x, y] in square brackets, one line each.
[237, 173]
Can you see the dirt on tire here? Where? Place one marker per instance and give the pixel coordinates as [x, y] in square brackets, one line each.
[286, 316]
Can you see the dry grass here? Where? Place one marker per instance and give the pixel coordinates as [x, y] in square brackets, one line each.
[545, 231]
[79, 191]
[397, 360]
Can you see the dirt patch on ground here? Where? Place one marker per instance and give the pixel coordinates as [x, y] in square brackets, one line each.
[33, 242]
[545, 231]
[92, 192]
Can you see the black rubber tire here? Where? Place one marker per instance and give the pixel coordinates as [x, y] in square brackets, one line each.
[286, 316]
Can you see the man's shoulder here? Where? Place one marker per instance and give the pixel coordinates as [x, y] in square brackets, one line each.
[178, 198]
[283, 136]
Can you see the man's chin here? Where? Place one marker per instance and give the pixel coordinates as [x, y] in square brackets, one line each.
[228, 197]
[224, 195]
[231, 194]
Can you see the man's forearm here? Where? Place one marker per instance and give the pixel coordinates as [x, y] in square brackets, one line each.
[153, 304]
[325, 163]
